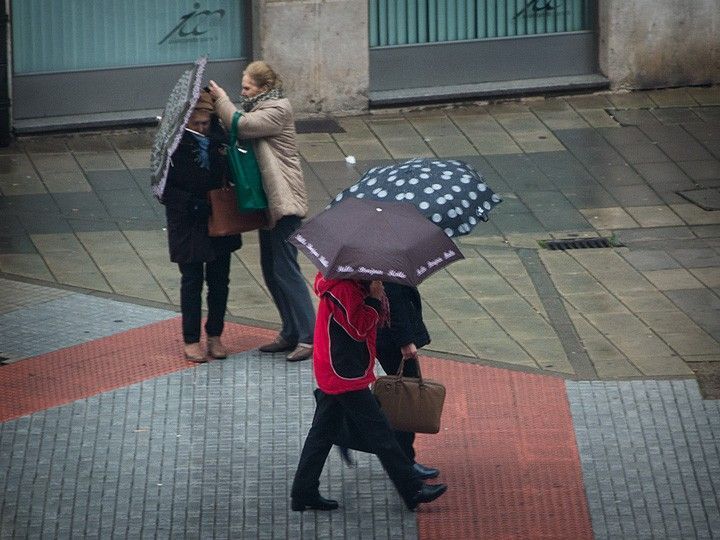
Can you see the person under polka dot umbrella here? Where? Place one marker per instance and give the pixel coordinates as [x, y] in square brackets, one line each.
[451, 193]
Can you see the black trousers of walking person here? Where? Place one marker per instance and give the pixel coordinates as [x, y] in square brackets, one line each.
[360, 409]
[390, 359]
[216, 274]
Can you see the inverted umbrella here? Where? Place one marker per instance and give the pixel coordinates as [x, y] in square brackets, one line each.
[450, 193]
[364, 239]
[174, 118]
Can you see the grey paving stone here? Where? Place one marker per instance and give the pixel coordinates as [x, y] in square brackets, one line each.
[519, 172]
[204, 434]
[508, 223]
[642, 153]
[701, 170]
[685, 150]
[111, 180]
[696, 258]
[616, 175]
[657, 132]
[554, 211]
[634, 117]
[562, 168]
[16, 244]
[81, 204]
[623, 136]
[634, 195]
[10, 225]
[676, 115]
[590, 196]
[70, 320]
[39, 204]
[667, 457]
[650, 259]
[666, 235]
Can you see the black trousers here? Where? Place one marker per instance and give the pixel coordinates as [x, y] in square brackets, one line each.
[217, 276]
[361, 410]
[390, 359]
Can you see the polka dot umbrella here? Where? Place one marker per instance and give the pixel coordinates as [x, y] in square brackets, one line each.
[450, 193]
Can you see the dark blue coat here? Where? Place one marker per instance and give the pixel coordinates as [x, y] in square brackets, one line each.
[186, 209]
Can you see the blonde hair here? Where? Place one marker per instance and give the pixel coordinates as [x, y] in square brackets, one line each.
[263, 75]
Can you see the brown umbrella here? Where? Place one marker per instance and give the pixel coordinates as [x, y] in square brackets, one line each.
[364, 239]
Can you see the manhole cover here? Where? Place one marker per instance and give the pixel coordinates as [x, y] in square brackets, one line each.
[579, 243]
[318, 125]
[707, 199]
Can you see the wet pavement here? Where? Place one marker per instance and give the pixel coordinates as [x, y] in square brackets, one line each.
[107, 430]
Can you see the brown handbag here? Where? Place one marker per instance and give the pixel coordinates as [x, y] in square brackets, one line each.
[225, 219]
[410, 404]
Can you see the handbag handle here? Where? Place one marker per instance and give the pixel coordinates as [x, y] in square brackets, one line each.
[401, 368]
[234, 127]
[234, 132]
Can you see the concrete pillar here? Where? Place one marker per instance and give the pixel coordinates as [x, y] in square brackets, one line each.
[320, 50]
[659, 43]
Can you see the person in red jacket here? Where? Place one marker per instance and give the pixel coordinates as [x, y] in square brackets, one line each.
[344, 362]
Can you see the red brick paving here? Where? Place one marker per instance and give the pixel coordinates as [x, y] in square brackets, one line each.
[77, 372]
[507, 451]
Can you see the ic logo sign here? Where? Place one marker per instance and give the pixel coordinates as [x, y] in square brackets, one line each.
[194, 24]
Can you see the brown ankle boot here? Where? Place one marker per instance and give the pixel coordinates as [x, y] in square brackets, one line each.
[215, 347]
[194, 353]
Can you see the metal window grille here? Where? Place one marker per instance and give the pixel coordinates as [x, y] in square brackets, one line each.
[406, 22]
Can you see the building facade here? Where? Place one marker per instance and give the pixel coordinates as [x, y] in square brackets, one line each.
[73, 62]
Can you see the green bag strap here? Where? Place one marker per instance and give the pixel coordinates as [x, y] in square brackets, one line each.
[234, 127]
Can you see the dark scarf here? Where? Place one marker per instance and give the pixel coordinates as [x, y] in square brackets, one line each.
[248, 104]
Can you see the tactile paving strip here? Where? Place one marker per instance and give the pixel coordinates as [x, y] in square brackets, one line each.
[508, 453]
[104, 364]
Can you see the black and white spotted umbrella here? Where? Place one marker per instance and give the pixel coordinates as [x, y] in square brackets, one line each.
[450, 193]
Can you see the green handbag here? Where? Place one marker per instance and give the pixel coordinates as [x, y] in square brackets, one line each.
[245, 172]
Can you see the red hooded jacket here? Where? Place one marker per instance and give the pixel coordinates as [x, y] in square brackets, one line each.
[344, 347]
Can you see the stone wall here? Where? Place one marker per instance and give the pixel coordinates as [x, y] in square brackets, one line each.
[319, 48]
[659, 43]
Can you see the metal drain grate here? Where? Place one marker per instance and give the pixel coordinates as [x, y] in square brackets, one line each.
[578, 243]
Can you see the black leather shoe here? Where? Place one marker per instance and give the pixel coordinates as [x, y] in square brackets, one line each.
[425, 473]
[317, 503]
[427, 493]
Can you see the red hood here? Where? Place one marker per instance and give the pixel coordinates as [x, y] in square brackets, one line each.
[323, 285]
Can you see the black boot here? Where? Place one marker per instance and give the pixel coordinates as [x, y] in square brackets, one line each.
[316, 503]
[427, 493]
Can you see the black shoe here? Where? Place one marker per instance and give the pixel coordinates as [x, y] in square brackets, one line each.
[427, 493]
[425, 473]
[316, 503]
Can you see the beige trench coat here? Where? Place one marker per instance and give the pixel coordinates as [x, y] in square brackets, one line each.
[271, 126]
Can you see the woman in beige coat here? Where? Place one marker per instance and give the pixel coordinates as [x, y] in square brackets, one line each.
[267, 119]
